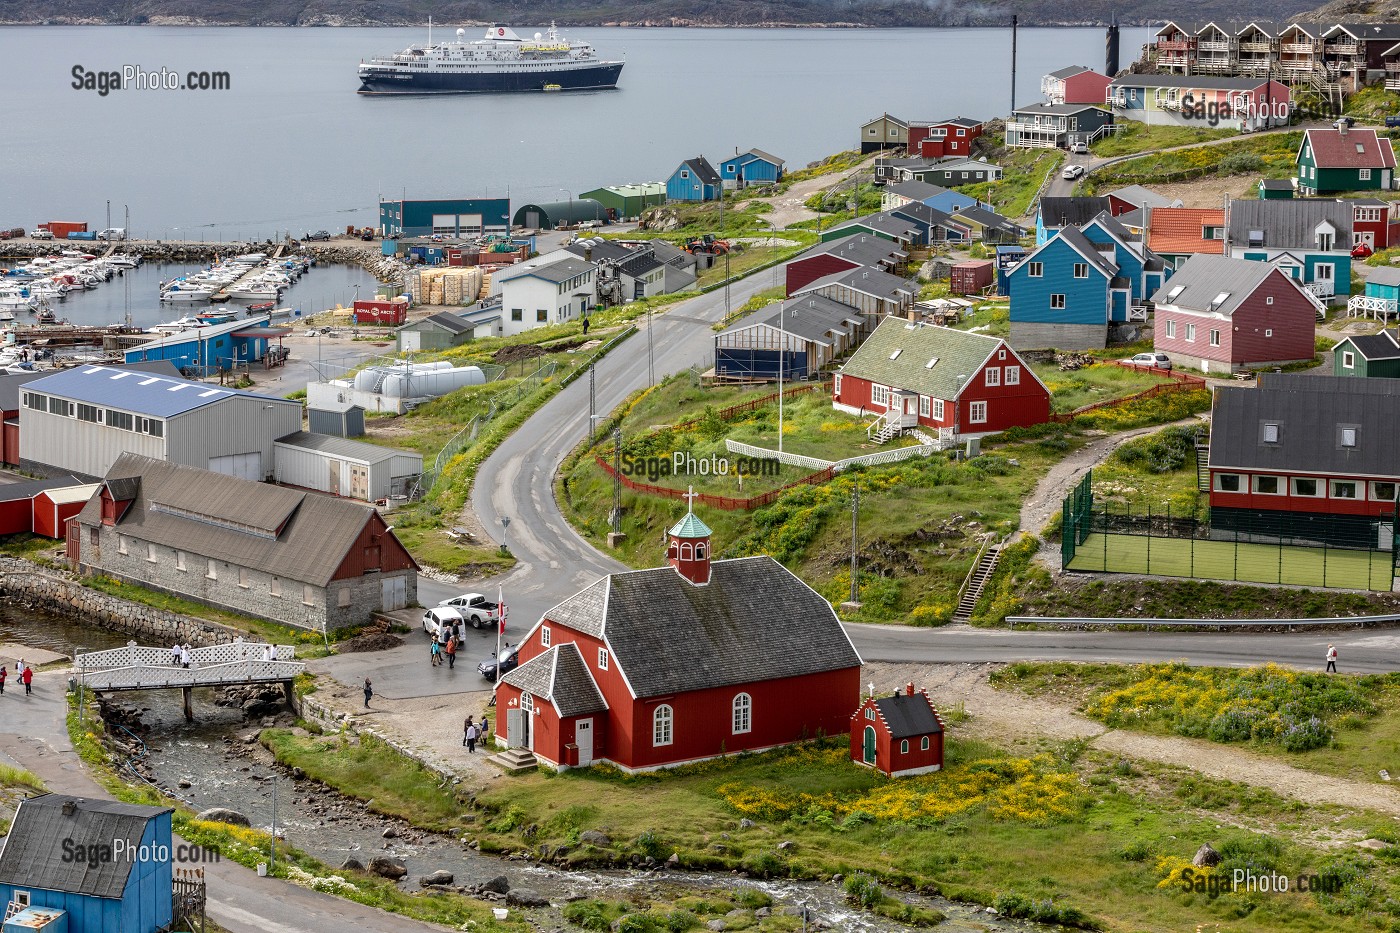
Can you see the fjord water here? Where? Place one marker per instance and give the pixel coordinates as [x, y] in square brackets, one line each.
[291, 146]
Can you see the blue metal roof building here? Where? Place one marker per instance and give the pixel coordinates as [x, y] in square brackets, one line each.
[202, 350]
[105, 866]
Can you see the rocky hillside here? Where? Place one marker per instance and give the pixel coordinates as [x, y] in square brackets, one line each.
[629, 12]
[1386, 11]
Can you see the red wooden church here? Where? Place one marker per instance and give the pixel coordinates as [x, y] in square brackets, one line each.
[900, 735]
[684, 662]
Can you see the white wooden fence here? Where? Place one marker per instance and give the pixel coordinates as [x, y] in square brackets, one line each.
[884, 456]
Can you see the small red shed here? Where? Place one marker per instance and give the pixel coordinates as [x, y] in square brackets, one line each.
[970, 276]
[901, 735]
[53, 508]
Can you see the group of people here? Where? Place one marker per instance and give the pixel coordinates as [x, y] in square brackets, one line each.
[180, 654]
[23, 671]
[474, 732]
[445, 645]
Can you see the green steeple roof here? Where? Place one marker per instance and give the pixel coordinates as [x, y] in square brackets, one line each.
[690, 527]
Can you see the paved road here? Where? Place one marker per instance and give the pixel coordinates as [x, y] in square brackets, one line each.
[35, 737]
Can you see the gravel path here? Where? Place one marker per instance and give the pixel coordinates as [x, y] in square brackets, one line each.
[1007, 717]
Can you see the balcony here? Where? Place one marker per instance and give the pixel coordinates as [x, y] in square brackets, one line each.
[1297, 66]
[1214, 46]
[1297, 48]
[1215, 66]
[1261, 47]
[1173, 45]
[1042, 129]
[1343, 48]
[1392, 82]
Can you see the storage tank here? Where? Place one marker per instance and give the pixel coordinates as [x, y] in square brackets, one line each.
[439, 382]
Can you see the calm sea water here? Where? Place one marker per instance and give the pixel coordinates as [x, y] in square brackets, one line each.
[292, 147]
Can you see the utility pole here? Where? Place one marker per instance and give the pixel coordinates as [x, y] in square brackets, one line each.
[592, 405]
[109, 213]
[617, 480]
[651, 368]
[272, 847]
[854, 602]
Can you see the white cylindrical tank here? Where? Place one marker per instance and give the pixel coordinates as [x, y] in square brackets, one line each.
[431, 383]
[367, 380]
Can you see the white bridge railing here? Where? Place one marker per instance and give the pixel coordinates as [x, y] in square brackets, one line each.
[1370, 306]
[138, 667]
[885, 456]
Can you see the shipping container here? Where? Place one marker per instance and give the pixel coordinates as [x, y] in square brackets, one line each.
[82, 235]
[61, 228]
[971, 276]
[391, 312]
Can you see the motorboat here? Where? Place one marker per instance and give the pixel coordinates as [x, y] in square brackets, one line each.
[214, 317]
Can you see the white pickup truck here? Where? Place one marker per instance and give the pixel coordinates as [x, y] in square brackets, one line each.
[475, 608]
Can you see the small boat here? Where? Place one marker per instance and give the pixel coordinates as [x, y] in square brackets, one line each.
[215, 317]
[185, 323]
[46, 316]
[554, 87]
[262, 307]
[7, 315]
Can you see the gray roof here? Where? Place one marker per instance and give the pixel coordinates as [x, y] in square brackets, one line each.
[922, 213]
[885, 222]
[864, 248]
[640, 264]
[1384, 275]
[1380, 346]
[345, 447]
[37, 849]
[1055, 109]
[338, 408]
[1139, 196]
[9, 388]
[1276, 184]
[559, 270]
[678, 279]
[767, 157]
[1204, 278]
[1069, 72]
[1380, 32]
[1061, 212]
[1086, 248]
[1289, 224]
[597, 248]
[908, 716]
[448, 321]
[297, 535]
[754, 621]
[812, 317]
[1310, 411]
[1206, 82]
[703, 170]
[986, 218]
[560, 676]
[959, 354]
[917, 190]
[141, 392]
[870, 281]
[13, 492]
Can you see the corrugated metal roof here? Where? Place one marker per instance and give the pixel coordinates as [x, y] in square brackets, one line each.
[1289, 224]
[295, 535]
[917, 190]
[899, 352]
[143, 393]
[812, 317]
[1202, 280]
[344, 447]
[13, 492]
[864, 279]
[65, 495]
[38, 849]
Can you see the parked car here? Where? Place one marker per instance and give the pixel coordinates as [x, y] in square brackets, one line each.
[1158, 360]
[1360, 251]
[1393, 120]
[434, 619]
[1079, 148]
[498, 667]
[1345, 121]
[112, 234]
[367, 235]
[40, 234]
[1072, 172]
[319, 235]
[475, 608]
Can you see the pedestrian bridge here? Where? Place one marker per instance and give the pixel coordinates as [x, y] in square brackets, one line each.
[138, 667]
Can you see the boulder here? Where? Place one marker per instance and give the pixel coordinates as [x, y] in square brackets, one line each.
[387, 867]
[222, 815]
[1206, 857]
[390, 833]
[785, 845]
[1376, 844]
[439, 878]
[674, 861]
[497, 885]
[352, 864]
[595, 838]
[746, 823]
[526, 897]
[716, 925]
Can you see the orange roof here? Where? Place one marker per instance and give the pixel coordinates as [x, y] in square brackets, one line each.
[1178, 230]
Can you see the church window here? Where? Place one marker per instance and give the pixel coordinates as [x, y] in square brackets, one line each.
[602, 659]
[904, 747]
[661, 725]
[923, 744]
[687, 552]
[700, 551]
[743, 713]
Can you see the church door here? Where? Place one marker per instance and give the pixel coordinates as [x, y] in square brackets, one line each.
[869, 745]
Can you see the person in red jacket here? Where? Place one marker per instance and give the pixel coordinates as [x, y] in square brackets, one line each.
[27, 677]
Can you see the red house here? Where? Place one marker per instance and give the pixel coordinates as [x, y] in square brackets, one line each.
[1218, 314]
[921, 376]
[1312, 459]
[693, 660]
[901, 735]
[945, 138]
[1075, 85]
[42, 506]
[53, 507]
[1374, 223]
[842, 255]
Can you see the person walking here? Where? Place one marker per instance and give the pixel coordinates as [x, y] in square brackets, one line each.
[28, 678]
[185, 656]
[369, 692]
[452, 652]
[471, 738]
[1331, 659]
[466, 727]
[175, 655]
[484, 729]
[585, 325]
[436, 650]
[3, 674]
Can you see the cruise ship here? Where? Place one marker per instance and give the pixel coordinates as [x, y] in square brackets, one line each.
[501, 61]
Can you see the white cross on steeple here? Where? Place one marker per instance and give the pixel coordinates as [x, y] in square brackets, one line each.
[690, 496]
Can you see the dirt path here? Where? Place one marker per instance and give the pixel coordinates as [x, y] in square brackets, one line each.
[1008, 717]
[788, 207]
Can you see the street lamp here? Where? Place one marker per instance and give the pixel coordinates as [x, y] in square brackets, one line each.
[505, 526]
[571, 204]
[782, 361]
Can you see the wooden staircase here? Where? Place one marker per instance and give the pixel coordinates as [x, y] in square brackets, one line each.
[883, 428]
[976, 581]
[515, 760]
[1203, 467]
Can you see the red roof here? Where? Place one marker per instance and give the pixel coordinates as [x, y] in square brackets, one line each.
[1356, 148]
[1178, 230]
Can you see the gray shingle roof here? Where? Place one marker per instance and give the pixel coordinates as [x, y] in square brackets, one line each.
[986, 218]
[917, 190]
[1207, 82]
[1310, 411]
[864, 248]
[1138, 196]
[13, 492]
[1276, 184]
[1203, 278]
[1055, 109]
[1288, 224]
[344, 447]
[811, 317]
[296, 535]
[1375, 346]
[560, 270]
[960, 354]
[864, 279]
[35, 856]
[560, 676]
[767, 157]
[703, 170]
[922, 213]
[753, 621]
[897, 227]
[1069, 72]
[908, 716]
[1075, 212]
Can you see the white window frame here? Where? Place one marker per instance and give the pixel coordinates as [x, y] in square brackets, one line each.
[243, 581]
[1190, 333]
[879, 395]
[179, 560]
[938, 410]
[1171, 329]
[923, 744]
[1319, 484]
[1219, 486]
[1347, 435]
[977, 413]
[663, 726]
[1214, 337]
[1280, 485]
[925, 406]
[1013, 376]
[1374, 494]
[992, 376]
[1272, 432]
[602, 659]
[544, 636]
[1363, 174]
[1035, 270]
[742, 714]
[836, 384]
[1348, 360]
[1057, 302]
[1358, 489]
[274, 587]
[904, 746]
[1081, 270]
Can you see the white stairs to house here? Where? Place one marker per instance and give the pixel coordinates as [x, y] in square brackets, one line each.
[980, 574]
[883, 428]
[515, 760]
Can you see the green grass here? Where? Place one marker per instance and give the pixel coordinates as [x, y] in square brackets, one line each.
[1023, 171]
[1140, 137]
[12, 777]
[1268, 155]
[1075, 388]
[745, 260]
[1225, 560]
[1373, 103]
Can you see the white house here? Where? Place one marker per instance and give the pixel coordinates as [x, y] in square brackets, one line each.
[549, 289]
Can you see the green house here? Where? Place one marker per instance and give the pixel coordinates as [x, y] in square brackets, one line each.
[441, 331]
[1368, 355]
[626, 202]
[1275, 189]
[1340, 159]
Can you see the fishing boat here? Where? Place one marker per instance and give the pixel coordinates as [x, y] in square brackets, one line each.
[215, 317]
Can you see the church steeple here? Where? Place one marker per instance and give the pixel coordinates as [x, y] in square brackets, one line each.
[688, 549]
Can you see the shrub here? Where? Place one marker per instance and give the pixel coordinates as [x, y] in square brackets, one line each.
[764, 865]
[939, 613]
[650, 845]
[1168, 450]
[1135, 851]
[1024, 908]
[1239, 163]
[864, 890]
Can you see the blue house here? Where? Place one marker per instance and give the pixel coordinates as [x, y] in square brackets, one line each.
[1068, 292]
[1053, 214]
[1008, 255]
[105, 866]
[693, 180]
[950, 202]
[206, 349]
[754, 167]
[1308, 238]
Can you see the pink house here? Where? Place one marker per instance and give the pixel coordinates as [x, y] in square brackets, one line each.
[1218, 314]
[1075, 85]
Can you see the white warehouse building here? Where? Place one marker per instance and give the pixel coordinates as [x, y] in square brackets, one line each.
[344, 467]
[79, 421]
